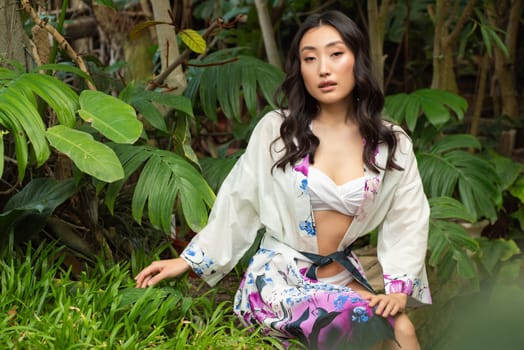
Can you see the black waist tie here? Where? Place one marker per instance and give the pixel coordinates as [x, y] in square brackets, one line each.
[342, 258]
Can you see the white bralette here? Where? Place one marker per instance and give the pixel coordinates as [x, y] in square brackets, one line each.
[325, 194]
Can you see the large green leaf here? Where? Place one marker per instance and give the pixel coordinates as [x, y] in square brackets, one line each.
[114, 118]
[90, 156]
[449, 244]
[131, 158]
[508, 171]
[21, 110]
[58, 95]
[435, 104]
[19, 113]
[144, 101]
[459, 173]
[27, 211]
[164, 178]
[449, 208]
[223, 78]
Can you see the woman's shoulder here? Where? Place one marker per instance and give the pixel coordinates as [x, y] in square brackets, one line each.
[274, 117]
[402, 136]
[404, 142]
[270, 123]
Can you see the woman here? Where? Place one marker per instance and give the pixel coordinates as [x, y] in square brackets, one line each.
[317, 175]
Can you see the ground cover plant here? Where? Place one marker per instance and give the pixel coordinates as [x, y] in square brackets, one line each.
[43, 306]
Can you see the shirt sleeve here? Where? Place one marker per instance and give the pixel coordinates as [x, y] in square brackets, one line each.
[234, 219]
[403, 235]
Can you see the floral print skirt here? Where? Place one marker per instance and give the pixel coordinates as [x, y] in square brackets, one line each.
[320, 315]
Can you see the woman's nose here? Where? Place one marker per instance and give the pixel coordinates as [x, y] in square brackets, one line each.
[323, 68]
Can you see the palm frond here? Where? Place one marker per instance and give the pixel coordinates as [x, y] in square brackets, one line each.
[225, 85]
[164, 178]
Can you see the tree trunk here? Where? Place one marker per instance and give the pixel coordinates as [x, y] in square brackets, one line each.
[444, 17]
[481, 94]
[264, 20]
[377, 23]
[505, 65]
[13, 42]
[168, 47]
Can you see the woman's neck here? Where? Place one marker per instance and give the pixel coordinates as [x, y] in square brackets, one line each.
[335, 114]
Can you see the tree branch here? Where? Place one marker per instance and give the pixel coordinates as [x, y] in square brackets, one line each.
[62, 42]
[159, 80]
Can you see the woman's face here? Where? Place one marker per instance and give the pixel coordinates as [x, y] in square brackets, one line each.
[326, 65]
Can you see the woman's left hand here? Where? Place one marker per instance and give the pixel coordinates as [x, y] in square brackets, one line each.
[388, 304]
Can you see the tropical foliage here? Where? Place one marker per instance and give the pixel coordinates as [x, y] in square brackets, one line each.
[107, 172]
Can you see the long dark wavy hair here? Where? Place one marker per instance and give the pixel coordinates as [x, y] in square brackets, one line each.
[368, 99]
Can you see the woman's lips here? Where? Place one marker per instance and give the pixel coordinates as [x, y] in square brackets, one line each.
[327, 85]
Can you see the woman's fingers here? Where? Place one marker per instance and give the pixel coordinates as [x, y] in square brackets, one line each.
[143, 278]
[387, 305]
[160, 270]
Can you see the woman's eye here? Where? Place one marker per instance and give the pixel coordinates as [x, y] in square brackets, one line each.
[338, 53]
[308, 59]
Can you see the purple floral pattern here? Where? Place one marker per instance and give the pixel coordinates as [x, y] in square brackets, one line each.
[320, 315]
[404, 284]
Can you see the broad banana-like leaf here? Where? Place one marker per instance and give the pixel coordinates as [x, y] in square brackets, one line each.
[220, 81]
[457, 172]
[90, 156]
[165, 177]
[435, 104]
[112, 117]
[27, 211]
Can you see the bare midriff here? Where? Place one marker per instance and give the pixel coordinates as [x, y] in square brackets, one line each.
[331, 227]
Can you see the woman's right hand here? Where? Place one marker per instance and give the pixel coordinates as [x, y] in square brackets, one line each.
[160, 270]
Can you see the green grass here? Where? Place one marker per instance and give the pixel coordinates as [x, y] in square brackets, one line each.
[43, 307]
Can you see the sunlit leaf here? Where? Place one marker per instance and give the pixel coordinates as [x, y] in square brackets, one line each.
[90, 156]
[194, 41]
[111, 116]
